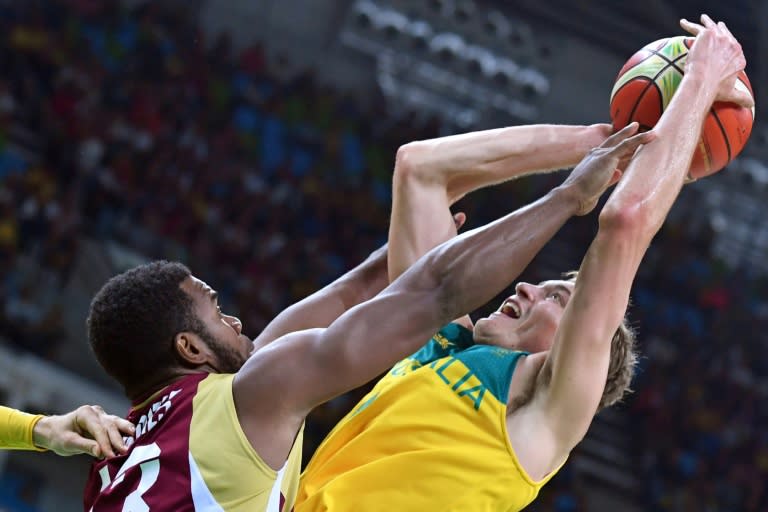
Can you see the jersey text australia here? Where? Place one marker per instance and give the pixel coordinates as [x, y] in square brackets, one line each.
[431, 435]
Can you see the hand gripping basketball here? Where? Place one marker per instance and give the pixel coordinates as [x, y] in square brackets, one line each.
[647, 82]
[714, 42]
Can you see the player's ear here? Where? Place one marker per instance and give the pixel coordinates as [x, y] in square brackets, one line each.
[190, 348]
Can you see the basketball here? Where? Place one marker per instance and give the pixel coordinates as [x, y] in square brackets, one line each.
[645, 86]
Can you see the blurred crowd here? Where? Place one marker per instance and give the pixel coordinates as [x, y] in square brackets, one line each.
[699, 413]
[131, 126]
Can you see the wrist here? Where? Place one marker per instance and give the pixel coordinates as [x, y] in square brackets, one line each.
[700, 81]
[595, 134]
[580, 140]
[568, 197]
[41, 432]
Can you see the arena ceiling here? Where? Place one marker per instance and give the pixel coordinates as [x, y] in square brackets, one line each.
[626, 26]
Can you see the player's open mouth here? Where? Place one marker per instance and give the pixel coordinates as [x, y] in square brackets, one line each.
[511, 309]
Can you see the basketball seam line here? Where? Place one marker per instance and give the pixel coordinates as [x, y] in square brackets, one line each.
[670, 63]
[722, 132]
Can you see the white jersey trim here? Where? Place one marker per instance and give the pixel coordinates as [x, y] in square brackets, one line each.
[202, 499]
[274, 497]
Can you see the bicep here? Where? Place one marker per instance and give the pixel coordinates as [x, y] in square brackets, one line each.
[580, 356]
[313, 366]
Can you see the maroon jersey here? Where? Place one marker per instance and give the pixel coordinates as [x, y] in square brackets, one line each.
[190, 454]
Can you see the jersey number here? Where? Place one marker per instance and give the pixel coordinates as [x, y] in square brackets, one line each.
[148, 459]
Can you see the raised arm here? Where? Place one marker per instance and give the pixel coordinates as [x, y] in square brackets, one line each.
[280, 384]
[431, 175]
[631, 217]
[327, 304]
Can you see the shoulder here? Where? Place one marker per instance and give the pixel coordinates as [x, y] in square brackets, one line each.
[449, 340]
[215, 385]
[458, 333]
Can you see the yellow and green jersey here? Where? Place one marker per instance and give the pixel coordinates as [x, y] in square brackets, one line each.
[431, 435]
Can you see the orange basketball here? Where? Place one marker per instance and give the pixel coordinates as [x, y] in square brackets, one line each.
[645, 87]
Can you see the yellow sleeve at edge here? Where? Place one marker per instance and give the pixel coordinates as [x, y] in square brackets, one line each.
[16, 429]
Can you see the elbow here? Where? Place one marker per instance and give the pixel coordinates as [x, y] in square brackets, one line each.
[631, 219]
[410, 161]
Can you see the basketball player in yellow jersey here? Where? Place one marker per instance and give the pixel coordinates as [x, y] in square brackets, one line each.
[87, 429]
[481, 417]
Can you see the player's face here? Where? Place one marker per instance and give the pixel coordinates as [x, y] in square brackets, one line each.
[224, 337]
[528, 319]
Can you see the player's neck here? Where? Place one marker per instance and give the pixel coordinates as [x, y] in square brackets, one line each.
[148, 392]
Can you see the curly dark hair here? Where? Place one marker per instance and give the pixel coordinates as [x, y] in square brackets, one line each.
[134, 319]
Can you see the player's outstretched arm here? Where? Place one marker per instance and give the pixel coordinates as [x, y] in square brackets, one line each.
[87, 429]
[327, 304]
[280, 384]
[431, 175]
[631, 217]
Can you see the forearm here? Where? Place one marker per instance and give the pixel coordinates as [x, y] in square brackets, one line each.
[324, 306]
[474, 267]
[366, 280]
[16, 430]
[466, 162]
